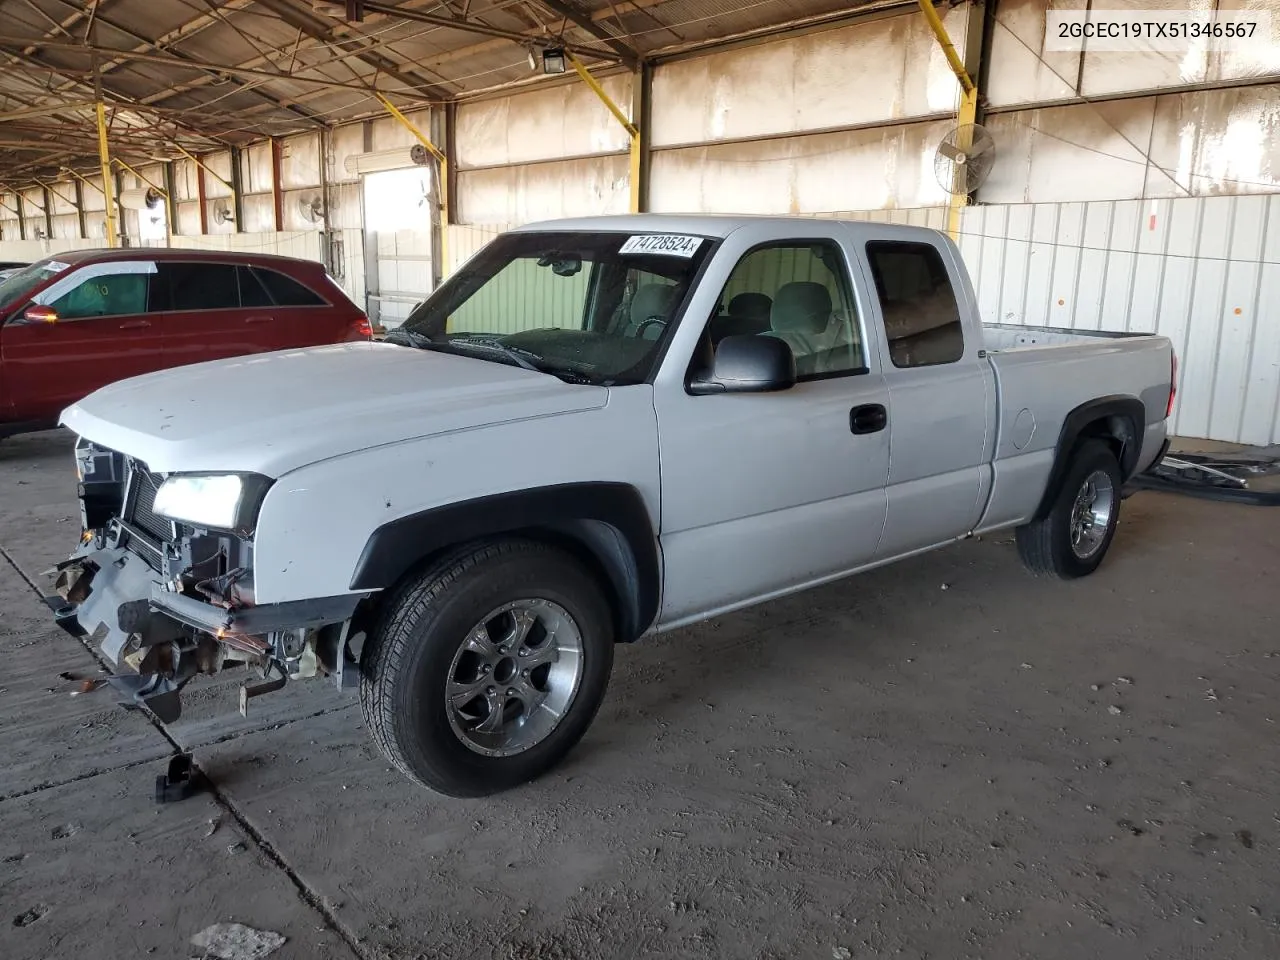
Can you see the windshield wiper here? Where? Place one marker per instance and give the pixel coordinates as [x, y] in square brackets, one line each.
[523, 358]
[412, 338]
[520, 357]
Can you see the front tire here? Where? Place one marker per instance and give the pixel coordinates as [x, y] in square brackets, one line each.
[487, 668]
[1072, 539]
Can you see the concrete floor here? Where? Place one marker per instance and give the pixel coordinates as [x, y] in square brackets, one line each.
[881, 768]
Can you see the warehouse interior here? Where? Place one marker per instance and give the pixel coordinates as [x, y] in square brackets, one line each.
[1129, 190]
[1078, 773]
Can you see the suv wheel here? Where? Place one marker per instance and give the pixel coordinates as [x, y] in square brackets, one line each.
[486, 669]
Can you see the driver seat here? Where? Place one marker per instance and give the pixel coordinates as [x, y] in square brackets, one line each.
[651, 300]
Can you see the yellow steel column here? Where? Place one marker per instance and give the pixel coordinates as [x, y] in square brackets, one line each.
[965, 113]
[633, 131]
[104, 158]
[442, 186]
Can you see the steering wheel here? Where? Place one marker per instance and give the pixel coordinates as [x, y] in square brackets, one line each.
[646, 324]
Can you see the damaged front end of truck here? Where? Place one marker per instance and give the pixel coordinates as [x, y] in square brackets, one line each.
[167, 585]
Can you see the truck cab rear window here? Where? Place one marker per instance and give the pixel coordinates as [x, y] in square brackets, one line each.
[921, 315]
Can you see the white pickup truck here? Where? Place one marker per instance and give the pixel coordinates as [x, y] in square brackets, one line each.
[595, 431]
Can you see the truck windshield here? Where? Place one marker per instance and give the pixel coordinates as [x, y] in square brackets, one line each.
[587, 307]
[15, 290]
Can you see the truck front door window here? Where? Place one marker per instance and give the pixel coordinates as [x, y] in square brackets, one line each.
[798, 291]
[921, 316]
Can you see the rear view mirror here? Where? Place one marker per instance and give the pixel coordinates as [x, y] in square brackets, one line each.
[37, 313]
[749, 364]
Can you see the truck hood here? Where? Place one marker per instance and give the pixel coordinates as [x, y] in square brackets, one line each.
[275, 412]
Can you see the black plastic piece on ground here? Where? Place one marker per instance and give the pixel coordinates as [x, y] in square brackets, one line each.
[180, 782]
[64, 615]
[1224, 479]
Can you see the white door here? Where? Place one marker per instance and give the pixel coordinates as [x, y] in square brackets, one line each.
[398, 223]
[941, 394]
[763, 493]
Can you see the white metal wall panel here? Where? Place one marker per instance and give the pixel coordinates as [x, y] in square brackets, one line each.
[558, 122]
[259, 213]
[1021, 70]
[304, 246]
[299, 161]
[345, 141]
[255, 167]
[466, 240]
[820, 173]
[1204, 272]
[344, 211]
[519, 194]
[217, 169]
[1260, 416]
[890, 69]
[389, 133]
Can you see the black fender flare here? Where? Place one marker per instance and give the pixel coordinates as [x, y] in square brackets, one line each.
[607, 523]
[1121, 418]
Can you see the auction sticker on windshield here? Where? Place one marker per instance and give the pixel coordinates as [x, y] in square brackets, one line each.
[667, 245]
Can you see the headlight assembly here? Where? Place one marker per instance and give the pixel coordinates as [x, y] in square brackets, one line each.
[220, 501]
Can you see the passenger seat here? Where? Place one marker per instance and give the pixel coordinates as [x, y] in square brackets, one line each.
[748, 315]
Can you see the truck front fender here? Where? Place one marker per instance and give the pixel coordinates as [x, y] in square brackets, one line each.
[1119, 419]
[606, 524]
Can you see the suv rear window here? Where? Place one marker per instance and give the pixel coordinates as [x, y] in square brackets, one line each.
[285, 291]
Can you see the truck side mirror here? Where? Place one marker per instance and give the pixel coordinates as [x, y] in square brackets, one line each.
[37, 313]
[749, 364]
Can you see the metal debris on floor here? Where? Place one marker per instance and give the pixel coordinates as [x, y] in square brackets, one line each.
[1251, 478]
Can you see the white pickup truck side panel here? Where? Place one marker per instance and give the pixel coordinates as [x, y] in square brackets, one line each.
[316, 520]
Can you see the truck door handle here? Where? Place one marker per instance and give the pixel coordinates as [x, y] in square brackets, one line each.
[135, 325]
[868, 418]
[258, 319]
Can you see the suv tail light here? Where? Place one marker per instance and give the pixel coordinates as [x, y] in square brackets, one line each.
[364, 329]
[1173, 384]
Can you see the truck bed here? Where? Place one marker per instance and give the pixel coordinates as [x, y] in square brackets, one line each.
[1005, 337]
[1041, 375]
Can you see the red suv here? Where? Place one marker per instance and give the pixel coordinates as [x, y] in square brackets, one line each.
[79, 321]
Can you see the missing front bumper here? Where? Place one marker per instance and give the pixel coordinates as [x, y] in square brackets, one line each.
[166, 638]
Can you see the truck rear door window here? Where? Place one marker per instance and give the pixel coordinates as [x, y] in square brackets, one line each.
[921, 315]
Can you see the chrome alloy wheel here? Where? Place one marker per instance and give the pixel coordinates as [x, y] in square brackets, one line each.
[514, 677]
[1091, 514]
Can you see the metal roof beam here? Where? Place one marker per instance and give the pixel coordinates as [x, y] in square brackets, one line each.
[474, 26]
[317, 29]
[582, 19]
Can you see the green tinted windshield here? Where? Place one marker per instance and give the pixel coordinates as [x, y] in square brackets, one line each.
[15, 290]
[594, 306]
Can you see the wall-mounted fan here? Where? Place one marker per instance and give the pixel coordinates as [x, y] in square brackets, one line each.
[311, 209]
[222, 214]
[964, 158]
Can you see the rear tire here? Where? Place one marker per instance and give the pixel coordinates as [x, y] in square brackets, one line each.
[487, 668]
[1072, 539]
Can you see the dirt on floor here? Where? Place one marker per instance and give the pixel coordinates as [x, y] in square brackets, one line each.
[944, 758]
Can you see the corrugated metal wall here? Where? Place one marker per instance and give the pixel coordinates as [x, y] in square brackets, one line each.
[1203, 271]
